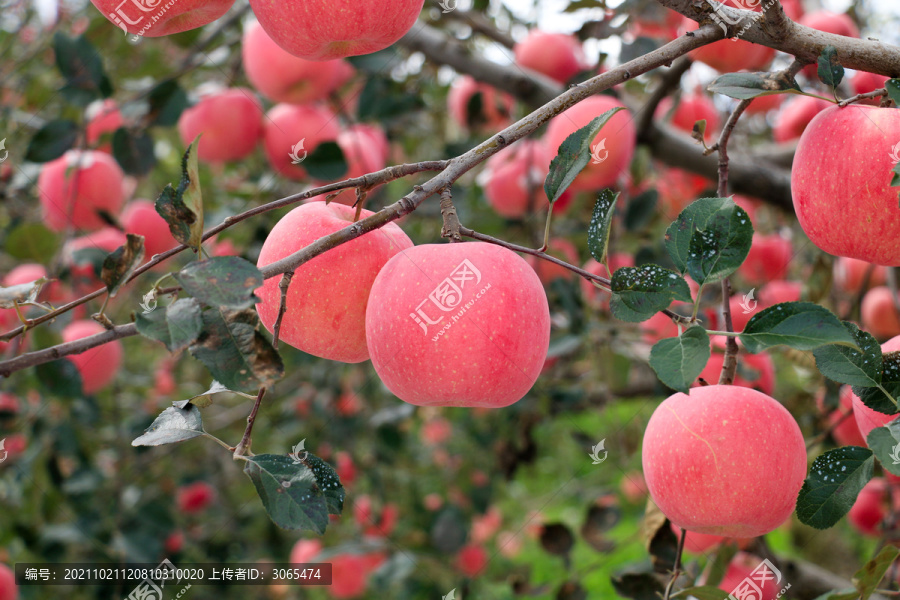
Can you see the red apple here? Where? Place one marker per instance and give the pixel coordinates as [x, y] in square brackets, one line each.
[366, 149]
[690, 109]
[633, 487]
[174, 543]
[97, 366]
[827, 184]
[740, 569]
[664, 26]
[547, 271]
[103, 116]
[792, 119]
[870, 508]
[305, 551]
[866, 418]
[864, 82]
[8, 403]
[328, 29]
[845, 431]
[778, 291]
[679, 188]
[793, 8]
[492, 112]
[849, 274]
[195, 497]
[140, 217]
[764, 104]
[326, 301]
[879, 314]
[768, 259]
[75, 186]
[458, 325]
[286, 126]
[345, 468]
[513, 180]
[348, 575]
[727, 56]
[724, 460]
[829, 22]
[471, 559]
[8, 588]
[559, 56]
[699, 543]
[230, 121]
[614, 143]
[153, 18]
[755, 371]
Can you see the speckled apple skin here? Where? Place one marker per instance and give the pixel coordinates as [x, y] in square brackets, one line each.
[724, 460]
[489, 357]
[328, 29]
[182, 15]
[841, 183]
[326, 300]
[866, 418]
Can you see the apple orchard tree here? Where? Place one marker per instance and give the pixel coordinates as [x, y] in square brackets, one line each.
[294, 221]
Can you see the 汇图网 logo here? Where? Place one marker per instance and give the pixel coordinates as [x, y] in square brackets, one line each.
[448, 297]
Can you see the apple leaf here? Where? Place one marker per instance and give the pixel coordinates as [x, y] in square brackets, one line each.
[222, 281]
[640, 292]
[830, 70]
[205, 399]
[60, 378]
[835, 480]
[718, 249]
[79, 62]
[167, 101]
[52, 140]
[327, 162]
[601, 220]
[133, 151]
[296, 495]
[718, 215]
[638, 586]
[845, 364]
[885, 443]
[640, 210]
[893, 89]
[182, 207]
[679, 361]
[884, 397]
[177, 327]
[744, 86]
[122, 262]
[698, 131]
[31, 242]
[871, 573]
[573, 155]
[800, 325]
[171, 426]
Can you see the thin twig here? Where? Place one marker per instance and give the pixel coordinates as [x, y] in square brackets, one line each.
[451, 225]
[676, 571]
[282, 306]
[866, 96]
[244, 447]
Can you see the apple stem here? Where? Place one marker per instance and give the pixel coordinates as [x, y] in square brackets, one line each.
[676, 571]
[244, 447]
[282, 306]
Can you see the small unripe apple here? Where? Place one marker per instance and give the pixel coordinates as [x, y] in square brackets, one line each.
[492, 111]
[879, 314]
[154, 18]
[559, 56]
[230, 122]
[458, 325]
[296, 130]
[724, 460]
[140, 217]
[75, 186]
[866, 418]
[329, 29]
[97, 366]
[327, 297]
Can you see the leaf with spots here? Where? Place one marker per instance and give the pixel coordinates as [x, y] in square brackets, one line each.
[800, 325]
[835, 480]
[885, 443]
[121, 263]
[884, 397]
[871, 573]
[718, 249]
[844, 364]
[222, 281]
[182, 207]
[172, 425]
[601, 220]
[723, 218]
[296, 495]
[679, 361]
[640, 292]
[830, 70]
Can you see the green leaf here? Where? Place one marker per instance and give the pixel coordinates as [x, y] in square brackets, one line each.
[704, 592]
[133, 151]
[744, 86]
[235, 352]
[718, 215]
[845, 364]
[226, 281]
[60, 378]
[885, 443]
[718, 249]
[326, 162]
[52, 140]
[800, 325]
[871, 573]
[205, 399]
[31, 242]
[119, 265]
[382, 99]
[830, 70]
[80, 64]
[640, 292]
[893, 89]
[601, 220]
[184, 322]
[679, 361]
[182, 207]
[640, 210]
[833, 484]
[167, 101]
[573, 155]
[171, 426]
[296, 495]
[153, 325]
[875, 397]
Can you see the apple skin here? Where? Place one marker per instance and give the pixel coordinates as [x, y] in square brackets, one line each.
[870, 508]
[98, 186]
[559, 56]
[665, 27]
[489, 358]
[286, 125]
[283, 77]
[348, 575]
[793, 118]
[690, 109]
[864, 82]
[140, 217]
[231, 124]
[739, 569]
[8, 588]
[195, 497]
[724, 460]
[98, 366]
[496, 106]
[619, 132]
[471, 560]
[180, 16]
[879, 316]
[866, 418]
[329, 29]
[827, 184]
[326, 301]
[103, 116]
[768, 259]
[849, 274]
[514, 177]
[679, 188]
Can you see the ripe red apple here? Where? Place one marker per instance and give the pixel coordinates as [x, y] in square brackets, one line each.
[768, 259]
[283, 77]
[195, 497]
[778, 291]
[493, 112]
[711, 463]
[458, 325]
[864, 82]
[8, 588]
[763, 104]
[870, 508]
[140, 217]
[230, 121]
[366, 149]
[8, 403]
[664, 27]
[866, 418]
[471, 559]
[793, 8]
[287, 125]
[740, 568]
[547, 271]
[513, 180]
[151, 18]
[559, 56]
[618, 138]
[345, 468]
[97, 366]
[827, 184]
[174, 543]
[690, 109]
[727, 56]
[792, 119]
[348, 575]
[829, 22]
[324, 30]
[326, 301]
[75, 186]
[879, 315]
[849, 274]
[103, 116]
